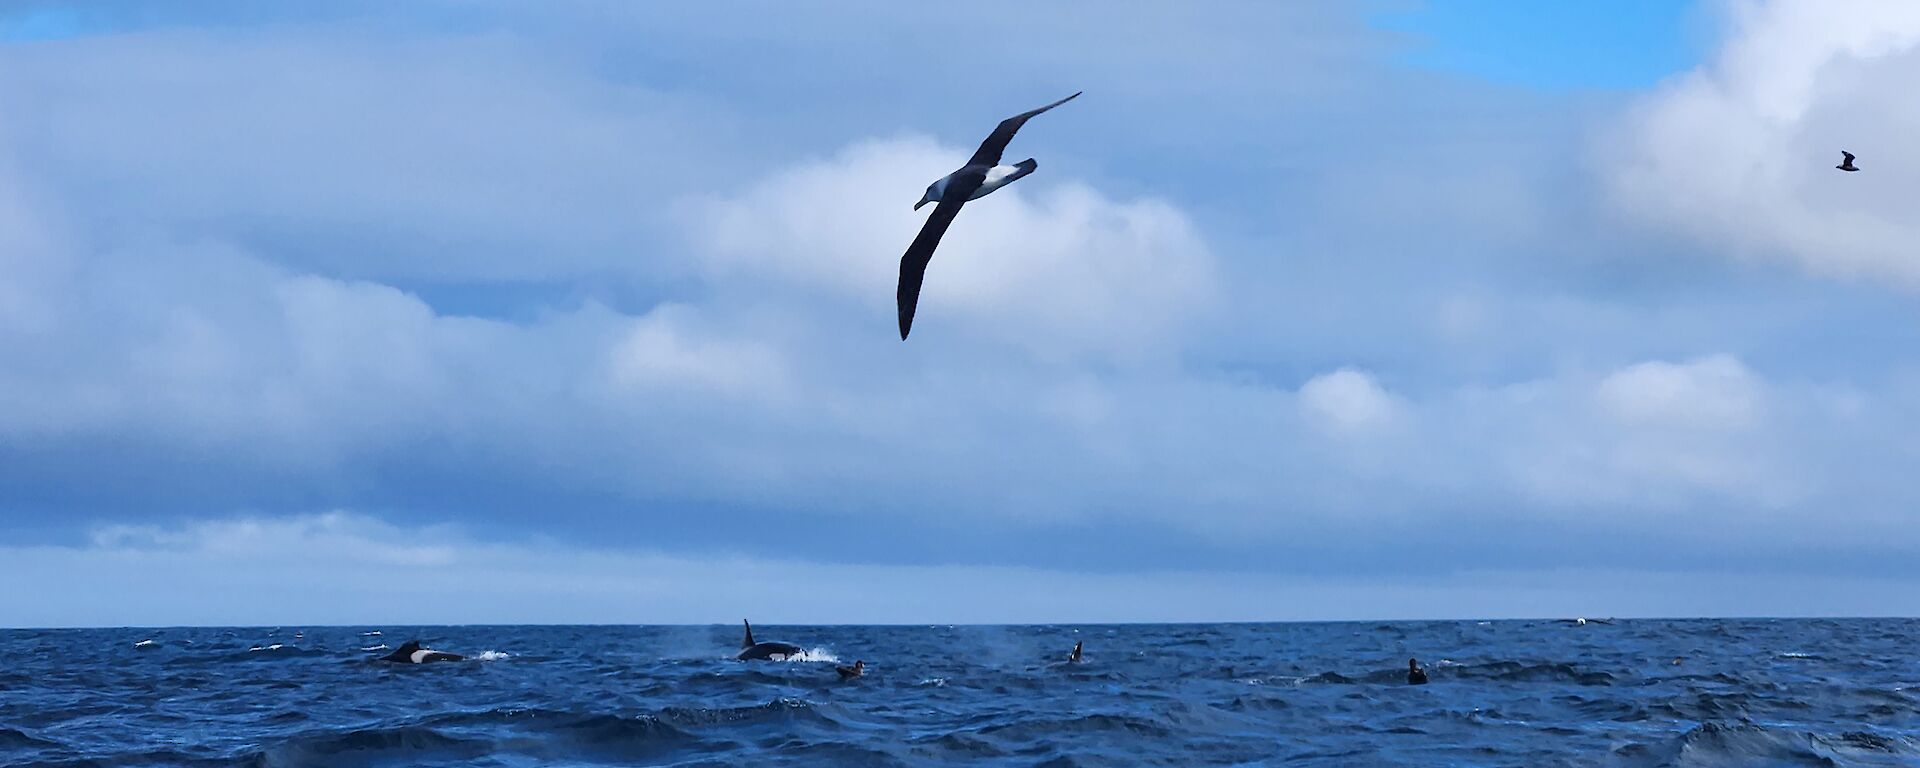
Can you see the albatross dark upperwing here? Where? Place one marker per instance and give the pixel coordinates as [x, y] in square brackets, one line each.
[996, 143]
[913, 264]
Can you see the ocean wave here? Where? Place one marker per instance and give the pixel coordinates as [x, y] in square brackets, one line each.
[16, 739]
[783, 709]
[492, 656]
[403, 745]
[1544, 672]
[1740, 744]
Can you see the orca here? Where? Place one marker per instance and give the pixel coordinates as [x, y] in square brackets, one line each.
[752, 651]
[410, 652]
[1074, 658]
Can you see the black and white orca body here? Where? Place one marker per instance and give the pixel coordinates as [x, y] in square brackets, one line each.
[752, 651]
[410, 652]
[981, 175]
[1074, 658]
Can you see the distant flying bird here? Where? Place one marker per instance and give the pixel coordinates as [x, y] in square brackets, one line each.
[1846, 162]
[982, 174]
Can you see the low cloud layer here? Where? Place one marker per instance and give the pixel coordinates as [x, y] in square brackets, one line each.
[341, 568]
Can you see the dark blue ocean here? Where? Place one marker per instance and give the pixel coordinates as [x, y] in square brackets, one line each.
[1505, 693]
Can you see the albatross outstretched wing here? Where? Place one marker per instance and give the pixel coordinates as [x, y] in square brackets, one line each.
[996, 143]
[913, 264]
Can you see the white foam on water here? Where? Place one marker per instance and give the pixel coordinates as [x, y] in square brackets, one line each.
[380, 647]
[491, 655]
[274, 647]
[815, 655]
[937, 682]
[375, 633]
[143, 644]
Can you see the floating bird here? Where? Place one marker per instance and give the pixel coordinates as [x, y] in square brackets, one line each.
[1415, 675]
[848, 673]
[1074, 658]
[1846, 162]
[982, 174]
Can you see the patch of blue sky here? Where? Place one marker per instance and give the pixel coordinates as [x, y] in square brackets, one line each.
[1619, 44]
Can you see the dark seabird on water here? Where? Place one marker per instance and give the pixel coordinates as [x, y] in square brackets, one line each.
[982, 174]
[1846, 162]
[1415, 675]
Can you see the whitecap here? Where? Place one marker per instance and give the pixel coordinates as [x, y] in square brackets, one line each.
[490, 655]
[375, 633]
[380, 647]
[937, 682]
[815, 655]
[143, 643]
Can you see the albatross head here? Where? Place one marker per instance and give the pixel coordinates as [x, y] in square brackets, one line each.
[935, 191]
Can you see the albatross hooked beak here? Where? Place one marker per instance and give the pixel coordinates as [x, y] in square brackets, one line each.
[923, 201]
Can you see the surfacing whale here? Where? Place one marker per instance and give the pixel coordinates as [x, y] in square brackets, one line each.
[752, 651]
[410, 652]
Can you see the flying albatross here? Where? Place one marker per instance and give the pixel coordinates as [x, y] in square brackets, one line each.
[1846, 162]
[982, 174]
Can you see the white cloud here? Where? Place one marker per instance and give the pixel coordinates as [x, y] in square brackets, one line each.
[1347, 401]
[659, 350]
[1739, 153]
[456, 158]
[1716, 391]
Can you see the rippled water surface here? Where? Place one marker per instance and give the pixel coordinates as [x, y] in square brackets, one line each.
[1519, 693]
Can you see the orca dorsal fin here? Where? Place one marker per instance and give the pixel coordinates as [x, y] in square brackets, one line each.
[748, 642]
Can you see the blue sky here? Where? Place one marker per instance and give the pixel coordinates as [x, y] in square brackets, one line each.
[471, 313]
